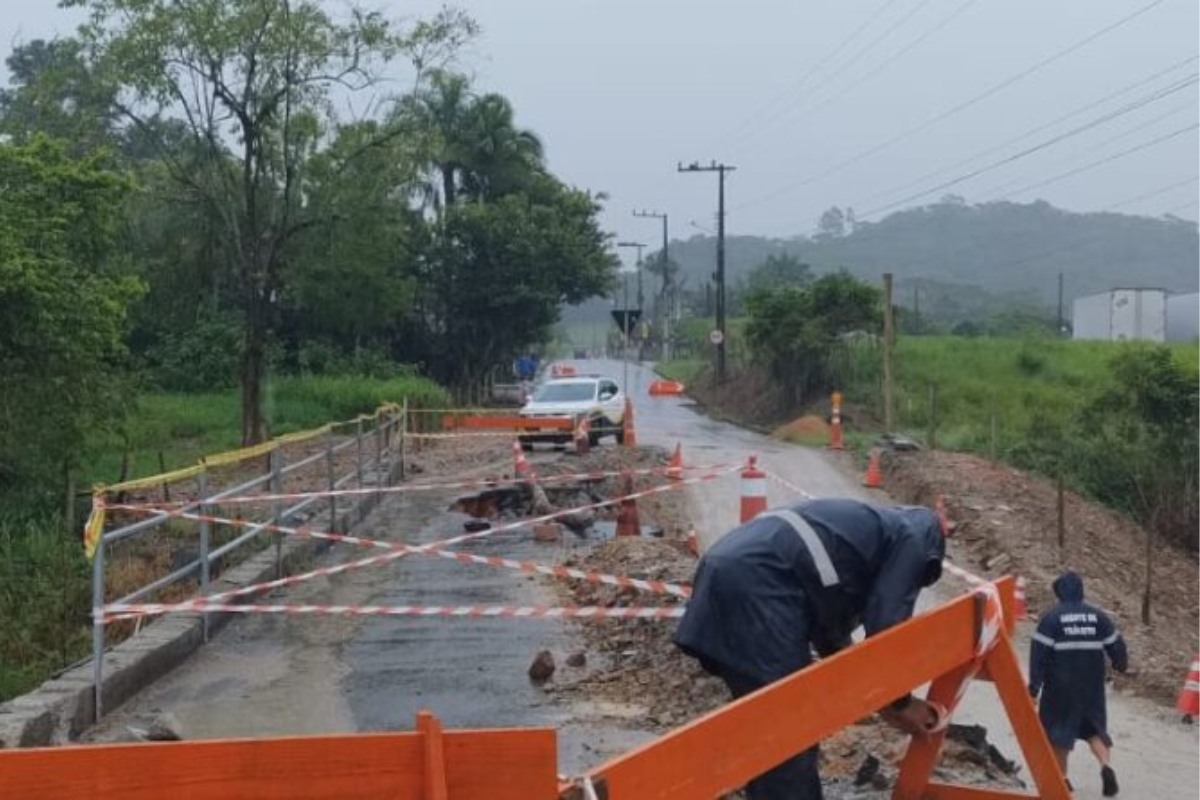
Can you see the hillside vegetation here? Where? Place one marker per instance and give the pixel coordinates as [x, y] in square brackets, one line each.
[970, 261]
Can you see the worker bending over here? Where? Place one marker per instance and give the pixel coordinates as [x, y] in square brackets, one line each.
[803, 577]
[1067, 669]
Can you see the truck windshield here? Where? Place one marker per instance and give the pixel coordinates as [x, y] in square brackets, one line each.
[564, 392]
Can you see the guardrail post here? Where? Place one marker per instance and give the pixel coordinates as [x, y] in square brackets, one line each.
[379, 421]
[331, 471]
[358, 451]
[98, 627]
[205, 543]
[277, 506]
[403, 437]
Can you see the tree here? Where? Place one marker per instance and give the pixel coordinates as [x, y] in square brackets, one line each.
[471, 144]
[795, 331]
[495, 275]
[832, 224]
[63, 302]
[56, 93]
[779, 269]
[251, 82]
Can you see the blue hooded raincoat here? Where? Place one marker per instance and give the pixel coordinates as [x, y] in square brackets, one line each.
[1067, 669]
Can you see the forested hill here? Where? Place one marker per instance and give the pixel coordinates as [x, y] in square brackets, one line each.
[1004, 248]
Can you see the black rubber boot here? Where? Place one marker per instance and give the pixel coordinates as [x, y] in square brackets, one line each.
[1109, 779]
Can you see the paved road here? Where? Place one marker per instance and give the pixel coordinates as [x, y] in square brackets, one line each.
[1155, 756]
[279, 675]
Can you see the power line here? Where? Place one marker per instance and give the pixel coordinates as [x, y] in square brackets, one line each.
[1098, 146]
[1182, 206]
[1108, 159]
[782, 96]
[1153, 193]
[1027, 134]
[1096, 122]
[1025, 73]
[845, 90]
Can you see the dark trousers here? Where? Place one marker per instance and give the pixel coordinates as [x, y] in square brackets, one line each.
[794, 779]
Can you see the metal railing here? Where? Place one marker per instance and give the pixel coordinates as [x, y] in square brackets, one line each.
[389, 436]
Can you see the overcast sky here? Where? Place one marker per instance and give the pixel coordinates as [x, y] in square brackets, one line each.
[834, 103]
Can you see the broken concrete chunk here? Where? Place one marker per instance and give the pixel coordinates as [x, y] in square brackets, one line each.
[542, 667]
[577, 659]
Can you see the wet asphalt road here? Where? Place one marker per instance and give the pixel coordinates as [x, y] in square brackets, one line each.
[280, 675]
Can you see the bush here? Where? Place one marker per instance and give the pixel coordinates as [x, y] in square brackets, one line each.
[201, 358]
[45, 600]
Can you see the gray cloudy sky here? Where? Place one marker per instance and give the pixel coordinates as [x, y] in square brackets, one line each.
[793, 92]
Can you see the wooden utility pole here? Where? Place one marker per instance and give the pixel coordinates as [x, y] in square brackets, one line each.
[720, 169]
[889, 335]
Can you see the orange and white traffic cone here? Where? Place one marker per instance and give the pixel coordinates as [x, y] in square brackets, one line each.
[628, 523]
[835, 423]
[874, 478]
[754, 490]
[627, 424]
[1188, 703]
[693, 542]
[939, 506]
[675, 465]
[1020, 599]
[583, 436]
[521, 467]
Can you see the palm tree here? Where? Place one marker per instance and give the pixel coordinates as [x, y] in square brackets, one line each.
[472, 145]
[440, 112]
[502, 156]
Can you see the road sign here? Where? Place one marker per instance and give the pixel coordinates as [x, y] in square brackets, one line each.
[627, 319]
[716, 337]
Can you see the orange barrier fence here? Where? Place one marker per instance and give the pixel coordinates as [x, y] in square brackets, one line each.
[428, 764]
[704, 759]
[508, 422]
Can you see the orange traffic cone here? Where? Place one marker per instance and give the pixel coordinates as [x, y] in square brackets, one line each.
[693, 542]
[521, 466]
[583, 436]
[1020, 601]
[754, 490]
[874, 478]
[835, 422]
[1189, 699]
[675, 465]
[939, 506]
[628, 523]
[627, 424]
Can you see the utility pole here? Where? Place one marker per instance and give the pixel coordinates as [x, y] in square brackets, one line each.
[639, 246]
[1059, 330]
[889, 336]
[720, 169]
[667, 289]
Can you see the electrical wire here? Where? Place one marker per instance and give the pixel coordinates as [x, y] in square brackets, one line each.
[987, 151]
[1103, 119]
[953, 110]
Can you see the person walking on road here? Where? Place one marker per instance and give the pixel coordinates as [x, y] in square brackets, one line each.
[1067, 671]
[799, 578]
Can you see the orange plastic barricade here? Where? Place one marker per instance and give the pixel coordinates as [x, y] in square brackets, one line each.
[663, 388]
[426, 765]
[698, 760]
[508, 422]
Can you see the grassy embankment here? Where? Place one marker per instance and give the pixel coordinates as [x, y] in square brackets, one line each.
[975, 381]
[44, 578]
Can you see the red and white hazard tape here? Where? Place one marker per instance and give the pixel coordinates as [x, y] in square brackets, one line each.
[785, 483]
[437, 548]
[129, 610]
[479, 483]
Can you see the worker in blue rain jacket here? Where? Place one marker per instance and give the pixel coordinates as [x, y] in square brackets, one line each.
[803, 577]
[1067, 670]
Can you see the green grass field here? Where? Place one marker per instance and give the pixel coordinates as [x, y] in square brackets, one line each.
[184, 427]
[976, 380]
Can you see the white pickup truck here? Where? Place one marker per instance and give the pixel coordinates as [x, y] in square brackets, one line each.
[597, 398]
